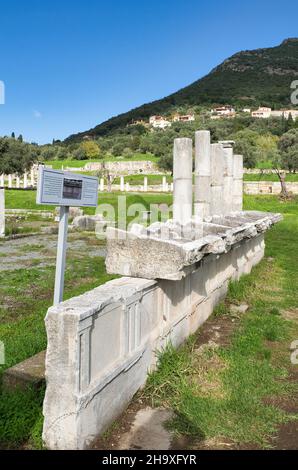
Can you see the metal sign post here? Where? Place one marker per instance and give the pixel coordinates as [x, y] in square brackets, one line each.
[64, 189]
[61, 255]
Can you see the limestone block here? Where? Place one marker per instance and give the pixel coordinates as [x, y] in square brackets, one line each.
[87, 222]
[171, 250]
[105, 341]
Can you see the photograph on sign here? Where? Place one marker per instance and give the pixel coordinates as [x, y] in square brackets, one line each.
[72, 189]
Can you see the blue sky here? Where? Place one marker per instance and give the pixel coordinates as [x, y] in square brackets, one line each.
[69, 65]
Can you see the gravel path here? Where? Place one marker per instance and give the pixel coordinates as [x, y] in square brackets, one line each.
[20, 253]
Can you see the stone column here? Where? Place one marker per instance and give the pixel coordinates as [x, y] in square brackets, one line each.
[18, 182]
[217, 175]
[102, 185]
[2, 181]
[25, 181]
[228, 176]
[182, 173]
[10, 181]
[145, 184]
[164, 183]
[122, 183]
[2, 213]
[171, 187]
[238, 183]
[202, 174]
[127, 188]
[32, 177]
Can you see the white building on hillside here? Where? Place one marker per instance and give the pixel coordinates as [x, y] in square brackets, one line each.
[286, 113]
[184, 118]
[223, 112]
[159, 122]
[262, 112]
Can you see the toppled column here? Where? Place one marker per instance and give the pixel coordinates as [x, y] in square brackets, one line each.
[238, 183]
[182, 174]
[202, 174]
[2, 213]
[216, 179]
[228, 175]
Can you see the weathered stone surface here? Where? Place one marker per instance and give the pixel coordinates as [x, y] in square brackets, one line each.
[182, 175]
[30, 372]
[125, 167]
[202, 193]
[102, 344]
[87, 222]
[242, 308]
[168, 250]
[73, 212]
[148, 431]
[217, 179]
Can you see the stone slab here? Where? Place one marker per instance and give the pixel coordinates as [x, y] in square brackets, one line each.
[30, 372]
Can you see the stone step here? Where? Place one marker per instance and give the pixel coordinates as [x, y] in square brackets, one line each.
[30, 372]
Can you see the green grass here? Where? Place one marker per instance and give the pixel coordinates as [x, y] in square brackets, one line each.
[27, 200]
[291, 177]
[57, 164]
[28, 294]
[256, 364]
[18, 199]
[249, 370]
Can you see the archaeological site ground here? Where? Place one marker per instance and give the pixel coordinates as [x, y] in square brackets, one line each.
[149, 233]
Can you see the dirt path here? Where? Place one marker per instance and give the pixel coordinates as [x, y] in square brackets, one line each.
[19, 253]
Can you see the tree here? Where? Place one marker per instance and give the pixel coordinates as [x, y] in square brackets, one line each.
[80, 154]
[20, 138]
[91, 149]
[246, 145]
[166, 162]
[288, 146]
[48, 153]
[13, 136]
[16, 157]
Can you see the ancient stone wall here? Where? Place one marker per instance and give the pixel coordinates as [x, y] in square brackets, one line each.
[102, 344]
[124, 167]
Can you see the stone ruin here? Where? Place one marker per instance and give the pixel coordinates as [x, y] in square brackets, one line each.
[171, 250]
[102, 344]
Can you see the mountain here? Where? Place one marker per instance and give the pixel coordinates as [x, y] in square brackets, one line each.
[248, 78]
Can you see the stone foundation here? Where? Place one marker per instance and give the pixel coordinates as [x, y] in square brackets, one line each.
[102, 344]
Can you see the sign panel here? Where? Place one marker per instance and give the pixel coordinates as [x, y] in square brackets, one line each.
[61, 188]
